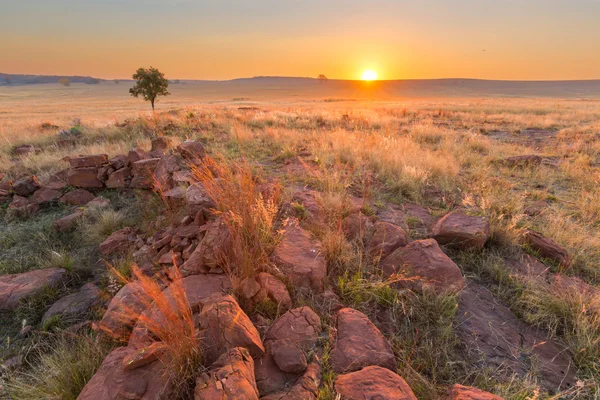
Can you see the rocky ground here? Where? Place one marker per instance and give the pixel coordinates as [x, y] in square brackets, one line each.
[272, 278]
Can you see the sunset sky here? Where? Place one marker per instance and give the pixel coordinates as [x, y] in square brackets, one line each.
[223, 39]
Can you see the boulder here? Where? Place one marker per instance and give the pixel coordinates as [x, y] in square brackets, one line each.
[386, 238]
[357, 227]
[198, 201]
[45, 195]
[191, 150]
[161, 143]
[25, 186]
[77, 197]
[119, 179]
[84, 178]
[25, 150]
[359, 344]
[497, 339]
[75, 306]
[460, 392]
[427, 263]
[124, 310]
[306, 387]
[112, 382]
[223, 326]
[118, 162]
[373, 382]
[135, 155]
[95, 161]
[301, 327]
[275, 290]
[163, 172]
[527, 160]
[143, 173]
[299, 258]
[21, 206]
[461, 231]
[16, 287]
[231, 377]
[212, 250]
[118, 242]
[67, 223]
[288, 356]
[547, 248]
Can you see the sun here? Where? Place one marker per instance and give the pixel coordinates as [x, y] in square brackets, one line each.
[369, 75]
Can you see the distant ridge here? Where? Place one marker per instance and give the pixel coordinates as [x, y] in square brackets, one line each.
[21, 79]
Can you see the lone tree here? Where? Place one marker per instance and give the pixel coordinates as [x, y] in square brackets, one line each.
[150, 83]
[64, 81]
[322, 78]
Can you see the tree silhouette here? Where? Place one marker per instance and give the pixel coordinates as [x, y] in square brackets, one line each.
[322, 78]
[64, 81]
[150, 83]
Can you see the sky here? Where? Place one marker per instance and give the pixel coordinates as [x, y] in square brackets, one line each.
[225, 39]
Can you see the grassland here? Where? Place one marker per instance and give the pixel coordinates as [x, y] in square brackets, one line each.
[440, 153]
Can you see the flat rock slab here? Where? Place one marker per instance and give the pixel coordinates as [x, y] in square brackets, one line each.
[495, 337]
[460, 392]
[359, 344]
[547, 248]
[113, 382]
[16, 287]
[124, 310]
[427, 263]
[300, 260]
[373, 383]
[386, 238]
[74, 306]
[461, 231]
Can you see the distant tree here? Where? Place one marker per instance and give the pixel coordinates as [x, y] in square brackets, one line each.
[64, 81]
[150, 83]
[322, 78]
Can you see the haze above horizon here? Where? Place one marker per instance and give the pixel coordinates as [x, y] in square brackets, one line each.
[193, 39]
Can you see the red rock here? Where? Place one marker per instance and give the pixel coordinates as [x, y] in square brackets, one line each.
[249, 287]
[95, 160]
[77, 197]
[311, 201]
[547, 248]
[118, 162]
[424, 259]
[176, 196]
[119, 179]
[357, 227]
[497, 339]
[45, 195]
[74, 307]
[275, 290]
[460, 392]
[143, 173]
[224, 325]
[26, 150]
[135, 155]
[305, 387]
[523, 161]
[143, 356]
[373, 383]
[67, 223]
[574, 287]
[21, 207]
[527, 268]
[57, 181]
[161, 143]
[212, 250]
[288, 356]
[113, 382]
[16, 287]
[386, 238]
[124, 310]
[300, 325]
[359, 344]
[118, 242]
[231, 377]
[4, 195]
[163, 171]
[191, 150]
[84, 178]
[26, 186]
[99, 202]
[198, 201]
[19, 202]
[461, 231]
[299, 258]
